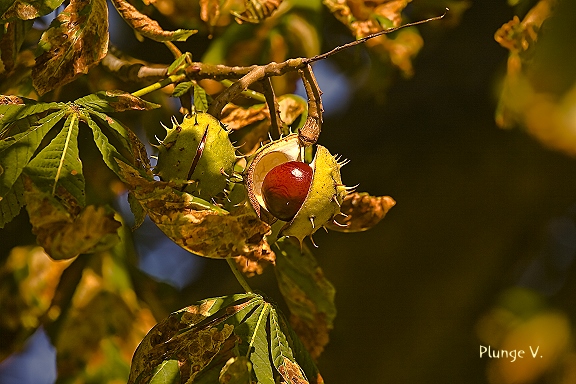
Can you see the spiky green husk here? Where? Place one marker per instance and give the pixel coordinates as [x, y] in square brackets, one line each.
[324, 197]
[201, 167]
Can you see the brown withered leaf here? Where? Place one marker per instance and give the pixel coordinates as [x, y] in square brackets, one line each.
[257, 11]
[292, 372]
[236, 117]
[165, 330]
[198, 226]
[364, 18]
[76, 41]
[251, 267]
[291, 107]
[148, 27]
[363, 212]
[27, 9]
[11, 99]
[520, 36]
[65, 230]
[210, 11]
[185, 337]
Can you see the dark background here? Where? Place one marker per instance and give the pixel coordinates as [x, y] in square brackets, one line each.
[475, 204]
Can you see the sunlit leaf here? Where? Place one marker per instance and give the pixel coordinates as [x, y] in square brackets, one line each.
[309, 295]
[76, 41]
[254, 331]
[238, 370]
[210, 11]
[182, 88]
[108, 151]
[256, 11]
[167, 372]
[63, 228]
[198, 226]
[114, 101]
[237, 117]
[282, 353]
[194, 336]
[27, 9]
[31, 277]
[16, 151]
[12, 202]
[293, 108]
[148, 27]
[254, 339]
[179, 62]
[364, 18]
[362, 212]
[14, 108]
[58, 164]
[200, 98]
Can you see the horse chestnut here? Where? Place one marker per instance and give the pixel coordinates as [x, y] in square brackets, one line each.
[281, 186]
[285, 188]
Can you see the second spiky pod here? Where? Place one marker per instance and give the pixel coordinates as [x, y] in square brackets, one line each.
[282, 186]
[196, 154]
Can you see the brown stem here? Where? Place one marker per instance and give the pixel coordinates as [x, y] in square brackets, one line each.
[257, 73]
[309, 133]
[133, 72]
[275, 119]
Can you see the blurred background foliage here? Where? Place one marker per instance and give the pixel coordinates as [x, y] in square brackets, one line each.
[479, 249]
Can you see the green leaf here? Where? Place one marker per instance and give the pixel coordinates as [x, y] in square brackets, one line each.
[16, 151]
[282, 353]
[129, 142]
[14, 108]
[195, 336]
[259, 355]
[260, 335]
[167, 372]
[75, 42]
[11, 38]
[238, 370]
[27, 9]
[175, 66]
[137, 211]
[58, 164]
[182, 88]
[200, 98]
[148, 27]
[114, 101]
[11, 204]
[309, 295]
[108, 151]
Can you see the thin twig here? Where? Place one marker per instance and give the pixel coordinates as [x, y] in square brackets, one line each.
[310, 131]
[173, 49]
[239, 276]
[161, 84]
[275, 119]
[248, 92]
[362, 40]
